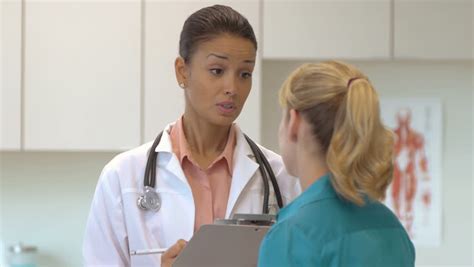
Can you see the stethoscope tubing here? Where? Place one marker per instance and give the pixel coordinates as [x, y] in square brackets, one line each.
[263, 165]
[269, 169]
[266, 187]
[151, 161]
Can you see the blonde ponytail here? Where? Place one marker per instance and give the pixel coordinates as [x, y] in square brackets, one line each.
[343, 108]
[360, 151]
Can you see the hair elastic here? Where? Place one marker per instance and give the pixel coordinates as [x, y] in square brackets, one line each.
[351, 80]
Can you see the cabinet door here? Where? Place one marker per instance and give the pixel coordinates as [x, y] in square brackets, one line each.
[326, 29]
[82, 75]
[164, 99]
[10, 91]
[434, 29]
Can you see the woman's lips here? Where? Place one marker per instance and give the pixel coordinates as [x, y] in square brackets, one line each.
[226, 107]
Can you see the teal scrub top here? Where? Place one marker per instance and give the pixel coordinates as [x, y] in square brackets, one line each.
[319, 228]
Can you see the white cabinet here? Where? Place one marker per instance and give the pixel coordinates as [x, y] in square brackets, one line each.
[164, 99]
[10, 79]
[326, 29]
[434, 29]
[82, 75]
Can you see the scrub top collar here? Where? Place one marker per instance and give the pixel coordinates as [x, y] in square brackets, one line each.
[320, 189]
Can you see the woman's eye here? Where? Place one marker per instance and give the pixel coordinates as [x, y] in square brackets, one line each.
[216, 71]
[246, 75]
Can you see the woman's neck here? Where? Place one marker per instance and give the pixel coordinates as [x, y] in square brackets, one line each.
[204, 139]
[310, 169]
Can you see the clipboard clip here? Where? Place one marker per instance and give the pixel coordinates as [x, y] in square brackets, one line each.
[249, 219]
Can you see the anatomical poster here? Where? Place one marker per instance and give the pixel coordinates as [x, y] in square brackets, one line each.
[415, 192]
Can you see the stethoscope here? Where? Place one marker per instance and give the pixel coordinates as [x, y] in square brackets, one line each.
[150, 199]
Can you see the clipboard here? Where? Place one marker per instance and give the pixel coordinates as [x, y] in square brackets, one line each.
[223, 245]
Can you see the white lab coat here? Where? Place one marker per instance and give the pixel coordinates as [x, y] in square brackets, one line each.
[116, 225]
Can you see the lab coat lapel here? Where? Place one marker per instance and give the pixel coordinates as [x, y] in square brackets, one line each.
[244, 169]
[172, 178]
[166, 159]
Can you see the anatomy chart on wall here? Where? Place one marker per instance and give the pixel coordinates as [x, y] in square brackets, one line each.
[415, 192]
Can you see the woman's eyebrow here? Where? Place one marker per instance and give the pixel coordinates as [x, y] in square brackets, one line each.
[218, 56]
[249, 61]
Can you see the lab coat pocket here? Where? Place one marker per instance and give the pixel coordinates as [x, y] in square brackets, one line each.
[174, 220]
[250, 199]
[149, 229]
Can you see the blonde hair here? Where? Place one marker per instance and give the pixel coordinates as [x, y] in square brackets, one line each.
[343, 108]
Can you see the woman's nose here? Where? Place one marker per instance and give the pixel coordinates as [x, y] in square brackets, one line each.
[231, 86]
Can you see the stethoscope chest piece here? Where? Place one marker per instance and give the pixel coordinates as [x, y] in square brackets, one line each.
[150, 200]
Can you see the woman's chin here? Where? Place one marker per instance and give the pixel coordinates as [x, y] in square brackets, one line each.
[223, 120]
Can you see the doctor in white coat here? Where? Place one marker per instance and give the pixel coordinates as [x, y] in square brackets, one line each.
[205, 168]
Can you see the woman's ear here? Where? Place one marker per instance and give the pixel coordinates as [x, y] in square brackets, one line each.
[294, 122]
[180, 71]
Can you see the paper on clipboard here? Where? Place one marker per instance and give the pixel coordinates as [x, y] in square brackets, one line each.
[221, 245]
